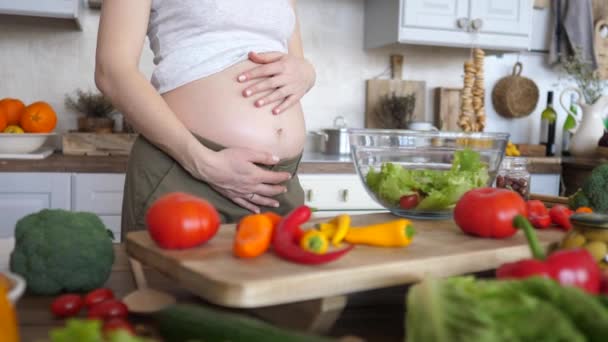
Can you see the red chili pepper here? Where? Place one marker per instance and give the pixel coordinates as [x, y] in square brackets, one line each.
[571, 267]
[285, 245]
[560, 215]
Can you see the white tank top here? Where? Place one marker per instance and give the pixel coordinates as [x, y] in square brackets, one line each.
[192, 39]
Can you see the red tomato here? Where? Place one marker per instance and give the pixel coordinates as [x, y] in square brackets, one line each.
[117, 324]
[108, 309]
[179, 220]
[66, 305]
[408, 201]
[97, 296]
[489, 212]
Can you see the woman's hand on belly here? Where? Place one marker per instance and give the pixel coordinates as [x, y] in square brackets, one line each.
[232, 173]
[288, 77]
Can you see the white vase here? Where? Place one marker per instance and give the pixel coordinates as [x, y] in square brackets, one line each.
[591, 127]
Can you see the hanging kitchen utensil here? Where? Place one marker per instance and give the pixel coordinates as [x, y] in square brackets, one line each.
[515, 96]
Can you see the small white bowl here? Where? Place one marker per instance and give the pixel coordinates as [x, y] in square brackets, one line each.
[22, 142]
[18, 287]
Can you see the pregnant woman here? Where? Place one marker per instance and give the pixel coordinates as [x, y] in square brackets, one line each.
[221, 116]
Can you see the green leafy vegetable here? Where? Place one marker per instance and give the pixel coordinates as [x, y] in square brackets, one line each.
[533, 309]
[80, 330]
[439, 189]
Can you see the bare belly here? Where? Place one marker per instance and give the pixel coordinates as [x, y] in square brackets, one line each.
[215, 109]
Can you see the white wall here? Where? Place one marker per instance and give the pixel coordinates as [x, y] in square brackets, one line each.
[43, 59]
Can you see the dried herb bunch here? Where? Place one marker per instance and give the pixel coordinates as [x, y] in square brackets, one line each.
[587, 80]
[395, 111]
[90, 103]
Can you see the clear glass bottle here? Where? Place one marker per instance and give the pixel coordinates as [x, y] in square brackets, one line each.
[513, 175]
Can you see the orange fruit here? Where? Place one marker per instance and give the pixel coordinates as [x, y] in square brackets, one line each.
[13, 109]
[3, 120]
[38, 117]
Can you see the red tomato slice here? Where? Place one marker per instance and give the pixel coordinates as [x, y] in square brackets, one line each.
[408, 201]
[66, 305]
[97, 296]
[114, 324]
[109, 309]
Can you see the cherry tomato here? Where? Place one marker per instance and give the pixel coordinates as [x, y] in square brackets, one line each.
[66, 305]
[111, 308]
[179, 220]
[97, 296]
[114, 324]
[408, 201]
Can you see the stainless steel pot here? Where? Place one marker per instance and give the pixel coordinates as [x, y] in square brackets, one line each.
[334, 140]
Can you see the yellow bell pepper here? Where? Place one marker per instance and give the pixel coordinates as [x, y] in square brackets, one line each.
[327, 228]
[396, 233]
[8, 319]
[314, 241]
[343, 224]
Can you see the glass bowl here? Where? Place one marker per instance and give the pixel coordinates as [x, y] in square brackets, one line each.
[439, 167]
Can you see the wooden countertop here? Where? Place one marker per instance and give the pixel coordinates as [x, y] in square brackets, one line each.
[583, 163]
[118, 164]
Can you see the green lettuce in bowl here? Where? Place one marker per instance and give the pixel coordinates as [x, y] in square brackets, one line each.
[436, 189]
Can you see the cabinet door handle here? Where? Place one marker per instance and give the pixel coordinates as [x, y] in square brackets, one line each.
[345, 195]
[476, 25]
[309, 195]
[462, 23]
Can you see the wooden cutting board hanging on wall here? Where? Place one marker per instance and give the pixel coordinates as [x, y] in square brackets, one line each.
[377, 89]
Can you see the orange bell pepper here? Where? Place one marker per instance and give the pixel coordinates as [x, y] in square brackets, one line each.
[253, 236]
[8, 318]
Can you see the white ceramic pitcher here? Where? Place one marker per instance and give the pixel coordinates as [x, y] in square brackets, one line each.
[591, 127]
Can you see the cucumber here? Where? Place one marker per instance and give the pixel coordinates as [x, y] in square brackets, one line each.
[190, 323]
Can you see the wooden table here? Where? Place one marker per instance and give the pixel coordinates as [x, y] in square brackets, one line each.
[280, 290]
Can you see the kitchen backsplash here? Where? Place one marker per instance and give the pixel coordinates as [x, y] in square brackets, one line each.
[44, 59]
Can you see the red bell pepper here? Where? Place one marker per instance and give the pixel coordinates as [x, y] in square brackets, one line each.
[571, 267]
[560, 215]
[538, 214]
[285, 244]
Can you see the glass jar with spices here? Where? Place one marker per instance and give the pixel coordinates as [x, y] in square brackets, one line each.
[513, 174]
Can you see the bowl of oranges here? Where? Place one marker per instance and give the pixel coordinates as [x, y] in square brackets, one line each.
[25, 128]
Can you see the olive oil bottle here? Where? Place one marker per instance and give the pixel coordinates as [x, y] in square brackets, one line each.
[569, 125]
[547, 126]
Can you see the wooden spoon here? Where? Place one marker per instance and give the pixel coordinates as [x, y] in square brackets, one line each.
[145, 300]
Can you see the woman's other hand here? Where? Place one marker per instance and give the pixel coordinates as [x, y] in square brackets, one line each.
[233, 173]
[288, 77]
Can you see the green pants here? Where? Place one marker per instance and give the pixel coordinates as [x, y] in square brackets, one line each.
[151, 173]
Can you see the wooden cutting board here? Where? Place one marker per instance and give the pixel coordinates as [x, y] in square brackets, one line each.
[377, 89]
[447, 108]
[439, 249]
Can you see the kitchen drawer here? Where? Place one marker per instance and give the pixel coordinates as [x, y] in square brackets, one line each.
[336, 192]
[23, 193]
[100, 193]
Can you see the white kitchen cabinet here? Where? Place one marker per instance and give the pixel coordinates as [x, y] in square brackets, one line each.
[61, 9]
[490, 24]
[331, 193]
[25, 193]
[100, 193]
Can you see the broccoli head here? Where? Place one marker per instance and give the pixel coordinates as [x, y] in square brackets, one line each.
[594, 192]
[58, 250]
